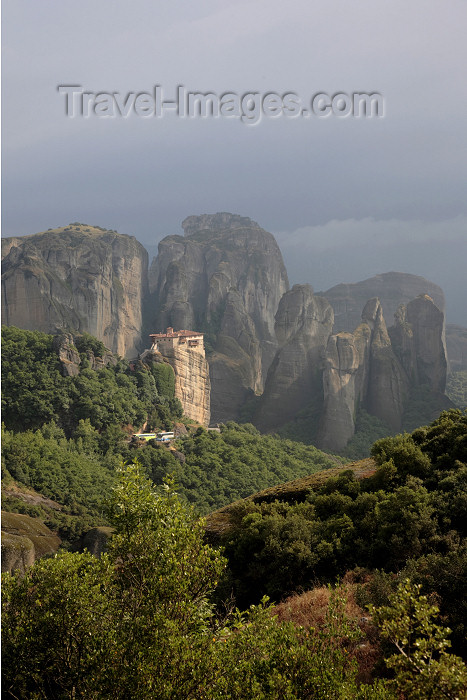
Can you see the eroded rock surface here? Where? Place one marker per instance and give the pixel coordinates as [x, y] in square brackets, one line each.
[378, 370]
[79, 278]
[361, 369]
[25, 539]
[418, 339]
[303, 326]
[224, 277]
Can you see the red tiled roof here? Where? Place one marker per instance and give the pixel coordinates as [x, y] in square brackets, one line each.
[176, 334]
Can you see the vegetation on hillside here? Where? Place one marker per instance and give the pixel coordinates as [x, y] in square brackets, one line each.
[456, 388]
[65, 436]
[408, 518]
[213, 469]
[139, 622]
[34, 391]
[154, 617]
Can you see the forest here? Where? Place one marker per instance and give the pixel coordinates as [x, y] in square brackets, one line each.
[174, 609]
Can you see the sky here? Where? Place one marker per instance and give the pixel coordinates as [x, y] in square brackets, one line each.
[347, 197]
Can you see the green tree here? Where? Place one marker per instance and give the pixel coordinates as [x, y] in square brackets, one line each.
[56, 628]
[138, 622]
[135, 623]
[424, 669]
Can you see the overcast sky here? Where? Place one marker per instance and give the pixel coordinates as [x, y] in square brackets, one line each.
[346, 197]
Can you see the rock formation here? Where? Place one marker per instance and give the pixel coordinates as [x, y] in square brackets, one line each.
[79, 278]
[361, 369]
[64, 345]
[303, 326]
[68, 354]
[25, 539]
[391, 288]
[388, 387]
[379, 370]
[418, 340]
[344, 380]
[225, 277]
[184, 351]
[287, 350]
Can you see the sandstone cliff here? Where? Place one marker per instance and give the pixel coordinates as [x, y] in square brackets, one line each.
[383, 370]
[418, 339]
[361, 369]
[192, 382]
[64, 345]
[303, 326]
[225, 277]
[80, 278]
[388, 386]
[345, 378]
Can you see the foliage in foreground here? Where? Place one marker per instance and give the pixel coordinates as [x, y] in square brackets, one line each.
[138, 622]
[423, 668]
[411, 514]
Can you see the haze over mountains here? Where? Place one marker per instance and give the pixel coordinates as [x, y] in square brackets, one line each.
[273, 352]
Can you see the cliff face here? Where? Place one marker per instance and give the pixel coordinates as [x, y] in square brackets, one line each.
[76, 278]
[418, 339]
[303, 325]
[391, 288]
[345, 378]
[192, 382]
[70, 360]
[388, 387]
[226, 277]
[379, 370]
[361, 370]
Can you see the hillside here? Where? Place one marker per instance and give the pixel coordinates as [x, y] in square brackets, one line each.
[225, 520]
[401, 513]
[290, 519]
[69, 410]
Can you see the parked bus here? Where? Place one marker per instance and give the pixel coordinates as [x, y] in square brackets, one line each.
[165, 436]
[144, 436]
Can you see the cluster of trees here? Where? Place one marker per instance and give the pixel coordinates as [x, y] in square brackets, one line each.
[35, 392]
[63, 436]
[213, 469]
[456, 388]
[409, 518]
[139, 622]
[71, 472]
